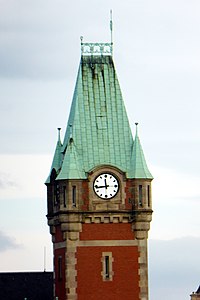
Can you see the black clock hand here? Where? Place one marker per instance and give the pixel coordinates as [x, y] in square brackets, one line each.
[105, 184]
[99, 187]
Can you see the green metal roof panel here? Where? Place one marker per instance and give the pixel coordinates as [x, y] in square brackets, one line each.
[98, 123]
[57, 159]
[96, 114]
[71, 166]
[139, 167]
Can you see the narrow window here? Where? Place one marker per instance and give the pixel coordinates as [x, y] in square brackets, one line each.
[107, 268]
[74, 195]
[56, 194]
[60, 268]
[140, 195]
[148, 196]
[64, 196]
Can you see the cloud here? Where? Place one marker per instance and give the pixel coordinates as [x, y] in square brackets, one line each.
[42, 40]
[34, 39]
[174, 267]
[7, 243]
[5, 181]
[29, 173]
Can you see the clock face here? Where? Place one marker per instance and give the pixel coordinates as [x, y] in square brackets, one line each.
[106, 186]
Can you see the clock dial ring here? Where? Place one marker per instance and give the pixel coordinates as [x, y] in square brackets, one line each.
[106, 186]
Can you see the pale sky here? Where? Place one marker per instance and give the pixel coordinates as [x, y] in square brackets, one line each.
[157, 59]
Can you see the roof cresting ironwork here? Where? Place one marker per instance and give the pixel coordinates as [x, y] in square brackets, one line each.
[98, 48]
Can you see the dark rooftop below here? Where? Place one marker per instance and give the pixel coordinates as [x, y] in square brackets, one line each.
[26, 285]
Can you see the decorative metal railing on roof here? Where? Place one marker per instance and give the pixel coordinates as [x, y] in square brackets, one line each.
[96, 48]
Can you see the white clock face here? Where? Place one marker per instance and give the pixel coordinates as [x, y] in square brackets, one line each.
[106, 186]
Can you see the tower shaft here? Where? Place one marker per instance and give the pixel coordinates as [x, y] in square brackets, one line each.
[99, 192]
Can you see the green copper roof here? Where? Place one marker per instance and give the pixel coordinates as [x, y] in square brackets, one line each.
[72, 166]
[139, 167]
[57, 159]
[98, 121]
[98, 125]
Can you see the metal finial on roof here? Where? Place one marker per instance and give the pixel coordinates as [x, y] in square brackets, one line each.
[111, 27]
[70, 133]
[136, 124]
[59, 129]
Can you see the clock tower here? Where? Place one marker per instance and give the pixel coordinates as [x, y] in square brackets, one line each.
[99, 191]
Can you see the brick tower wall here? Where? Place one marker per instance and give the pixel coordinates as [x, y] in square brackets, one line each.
[59, 265]
[117, 240]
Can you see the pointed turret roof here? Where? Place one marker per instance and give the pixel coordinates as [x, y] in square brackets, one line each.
[57, 159]
[138, 168]
[98, 130]
[72, 166]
